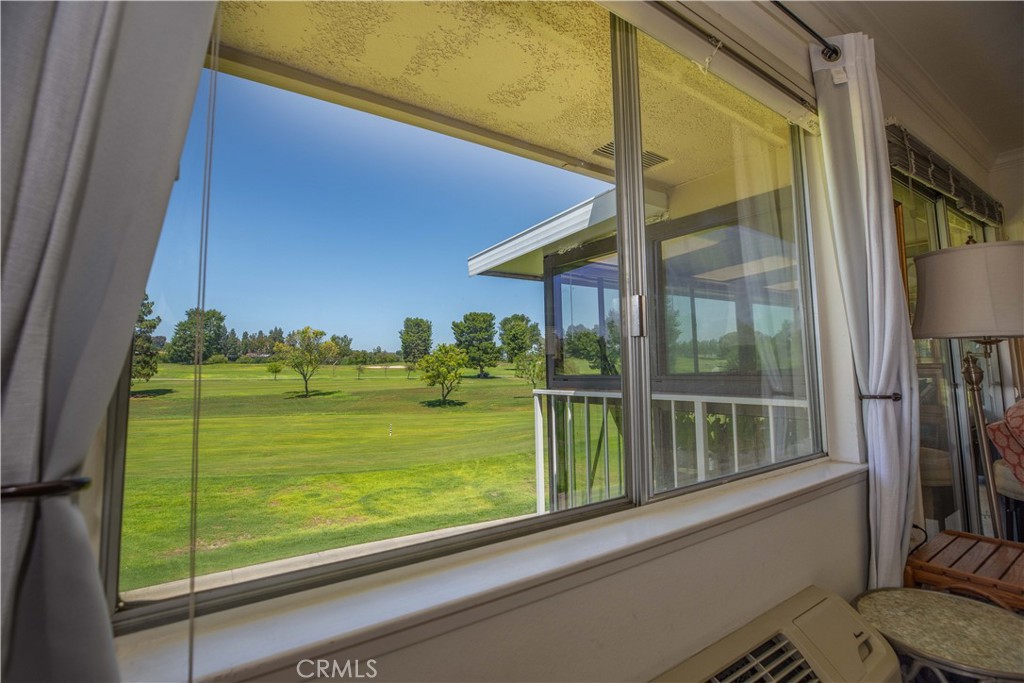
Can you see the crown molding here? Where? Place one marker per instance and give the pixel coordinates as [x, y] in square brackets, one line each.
[1009, 159]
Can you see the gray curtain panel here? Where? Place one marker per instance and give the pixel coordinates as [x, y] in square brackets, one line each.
[96, 102]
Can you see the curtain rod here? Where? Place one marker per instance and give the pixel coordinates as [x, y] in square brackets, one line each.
[831, 52]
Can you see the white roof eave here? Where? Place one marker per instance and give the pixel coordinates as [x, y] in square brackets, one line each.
[556, 229]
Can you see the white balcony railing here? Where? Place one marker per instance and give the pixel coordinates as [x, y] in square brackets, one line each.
[579, 452]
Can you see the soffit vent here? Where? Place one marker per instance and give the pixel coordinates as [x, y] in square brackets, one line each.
[774, 661]
[649, 159]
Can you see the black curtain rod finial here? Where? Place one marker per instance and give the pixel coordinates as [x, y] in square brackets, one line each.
[831, 51]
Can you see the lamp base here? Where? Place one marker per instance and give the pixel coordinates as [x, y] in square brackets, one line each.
[973, 376]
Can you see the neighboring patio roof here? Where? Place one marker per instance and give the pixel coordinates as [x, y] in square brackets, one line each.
[522, 255]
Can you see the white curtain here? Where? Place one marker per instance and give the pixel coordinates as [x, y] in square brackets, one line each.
[856, 169]
[96, 102]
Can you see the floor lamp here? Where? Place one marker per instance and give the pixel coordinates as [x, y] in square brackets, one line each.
[973, 292]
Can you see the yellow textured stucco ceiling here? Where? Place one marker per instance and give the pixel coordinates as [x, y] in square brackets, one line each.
[528, 77]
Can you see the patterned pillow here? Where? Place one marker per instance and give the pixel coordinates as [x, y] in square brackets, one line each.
[1008, 437]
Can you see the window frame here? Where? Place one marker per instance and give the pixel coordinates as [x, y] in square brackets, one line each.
[632, 246]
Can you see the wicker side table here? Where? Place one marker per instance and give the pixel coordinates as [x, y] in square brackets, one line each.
[958, 561]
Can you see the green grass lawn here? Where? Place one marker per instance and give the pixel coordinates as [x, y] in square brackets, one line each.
[361, 459]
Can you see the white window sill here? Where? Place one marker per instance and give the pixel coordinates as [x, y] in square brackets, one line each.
[241, 642]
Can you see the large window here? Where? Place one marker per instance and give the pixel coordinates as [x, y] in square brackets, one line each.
[358, 394]
[344, 400]
[732, 375]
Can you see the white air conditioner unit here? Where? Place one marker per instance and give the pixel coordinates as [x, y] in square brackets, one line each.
[813, 636]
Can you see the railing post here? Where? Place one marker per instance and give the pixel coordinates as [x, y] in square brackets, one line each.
[607, 450]
[586, 444]
[553, 460]
[735, 440]
[675, 451]
[699, 429]
[538, 449]
[570, 449]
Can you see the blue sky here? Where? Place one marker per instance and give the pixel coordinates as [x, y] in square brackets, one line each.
[348, 222]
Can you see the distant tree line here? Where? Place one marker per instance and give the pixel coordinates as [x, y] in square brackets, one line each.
[479, 345]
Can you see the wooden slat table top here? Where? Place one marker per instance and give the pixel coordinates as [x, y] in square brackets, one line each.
[958, 557]
[952, 553]
[933, 547]
[976, 556]
[997, 566]
[1016, 573]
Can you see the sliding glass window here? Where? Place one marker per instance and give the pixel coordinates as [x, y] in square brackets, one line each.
[731, 348]
[359, 394]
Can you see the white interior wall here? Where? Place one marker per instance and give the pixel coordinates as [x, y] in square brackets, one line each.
[636, 618]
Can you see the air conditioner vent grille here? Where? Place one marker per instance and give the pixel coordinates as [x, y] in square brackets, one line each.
[776, 660]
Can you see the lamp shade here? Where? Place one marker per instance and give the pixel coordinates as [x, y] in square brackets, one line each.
[971, 292]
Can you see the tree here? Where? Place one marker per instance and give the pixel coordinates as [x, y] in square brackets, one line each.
[181, 348]
[443, 368]
[581, 342]
[475, 336]
[306, 352]
[232, 346]
[144, 350]
[274, 368]
[530, 366]
[344, 344]
[359, 357]
[417, 338]
[259, 344]
[275, 337]
[379, 356]
[344, 348]
[518, 335]
[612, 351]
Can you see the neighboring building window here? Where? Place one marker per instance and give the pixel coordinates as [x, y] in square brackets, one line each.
[584, 308]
